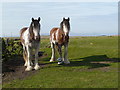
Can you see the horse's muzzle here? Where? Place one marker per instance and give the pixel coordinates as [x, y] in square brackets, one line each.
[37, 37]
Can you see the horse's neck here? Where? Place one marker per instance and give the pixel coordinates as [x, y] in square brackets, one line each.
[30, 31]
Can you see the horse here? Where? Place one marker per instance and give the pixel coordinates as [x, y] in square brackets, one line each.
[30, 40]
[60, 37]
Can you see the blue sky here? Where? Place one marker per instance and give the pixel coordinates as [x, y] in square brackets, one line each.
[86, 18]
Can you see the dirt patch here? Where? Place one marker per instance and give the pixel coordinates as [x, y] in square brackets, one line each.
[14, 69]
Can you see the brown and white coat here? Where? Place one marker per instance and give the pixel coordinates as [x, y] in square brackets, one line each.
[60, 37]
[30, 39]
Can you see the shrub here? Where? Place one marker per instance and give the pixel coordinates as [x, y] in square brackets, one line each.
[10, 47]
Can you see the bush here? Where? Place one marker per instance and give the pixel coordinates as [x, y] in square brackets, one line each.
[11, 47]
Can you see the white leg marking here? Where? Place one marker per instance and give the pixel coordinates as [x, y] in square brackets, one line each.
[65, 59]
[60, 61]
[36, 59]
[25, 63]
[53, 52]
[23, 46]
[29, 68]
[24, 53]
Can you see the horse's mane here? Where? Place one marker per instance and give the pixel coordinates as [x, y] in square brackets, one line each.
[31, 32]
[61, 25]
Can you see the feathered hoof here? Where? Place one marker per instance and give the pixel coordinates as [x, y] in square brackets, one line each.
[25, 64]
[60, 63]
[51, 60]
[66, 62]
[29, 68]
[37, 67]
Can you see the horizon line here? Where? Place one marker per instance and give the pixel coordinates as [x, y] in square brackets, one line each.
[71, 35]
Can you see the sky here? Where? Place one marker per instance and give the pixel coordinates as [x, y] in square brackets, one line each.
[86, 18]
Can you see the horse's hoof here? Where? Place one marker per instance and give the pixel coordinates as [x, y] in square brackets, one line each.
[51, 60]
[37, 67]
[25, 64]
[61, 62]
[59, 59]
[66, 62]
[29, 68]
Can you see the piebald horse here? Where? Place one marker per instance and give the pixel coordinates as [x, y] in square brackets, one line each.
[60, 37]
[30, 39]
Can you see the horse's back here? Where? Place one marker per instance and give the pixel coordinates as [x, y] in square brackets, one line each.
[57, 35]
[23, 30]
[53, 30]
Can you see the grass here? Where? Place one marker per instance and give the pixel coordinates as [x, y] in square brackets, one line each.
[93, 65]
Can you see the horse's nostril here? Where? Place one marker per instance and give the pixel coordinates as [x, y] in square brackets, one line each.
[36, 37]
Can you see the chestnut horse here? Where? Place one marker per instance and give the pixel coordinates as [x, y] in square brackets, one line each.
[60, 37]
[30, 39]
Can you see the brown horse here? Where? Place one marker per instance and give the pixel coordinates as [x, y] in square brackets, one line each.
[60, 37]
[30, 39]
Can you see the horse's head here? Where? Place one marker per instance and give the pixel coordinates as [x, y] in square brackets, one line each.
[65, 25]
[35, 23]
[35, 27]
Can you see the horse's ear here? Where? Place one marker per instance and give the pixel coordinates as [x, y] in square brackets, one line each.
[32, 19]
[63, 18]
[68, 19]
[39, 19]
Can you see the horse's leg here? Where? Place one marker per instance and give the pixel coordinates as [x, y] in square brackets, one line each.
[65, 59]
[53, 52]
[29, 68]
[36, 59]
[60, 61]
[25, 55]
[31, 63]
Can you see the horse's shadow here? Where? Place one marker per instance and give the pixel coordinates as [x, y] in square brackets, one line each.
[16, 61]
[95, 61]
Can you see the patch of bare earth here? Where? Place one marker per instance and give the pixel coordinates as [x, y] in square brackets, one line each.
[14, 69]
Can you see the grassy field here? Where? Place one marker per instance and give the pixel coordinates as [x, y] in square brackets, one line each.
[93, 65]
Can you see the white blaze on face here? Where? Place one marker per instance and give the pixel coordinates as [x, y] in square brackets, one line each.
[65, 29]
[36, 32]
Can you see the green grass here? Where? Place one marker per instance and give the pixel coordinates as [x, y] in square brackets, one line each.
[93, 65]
